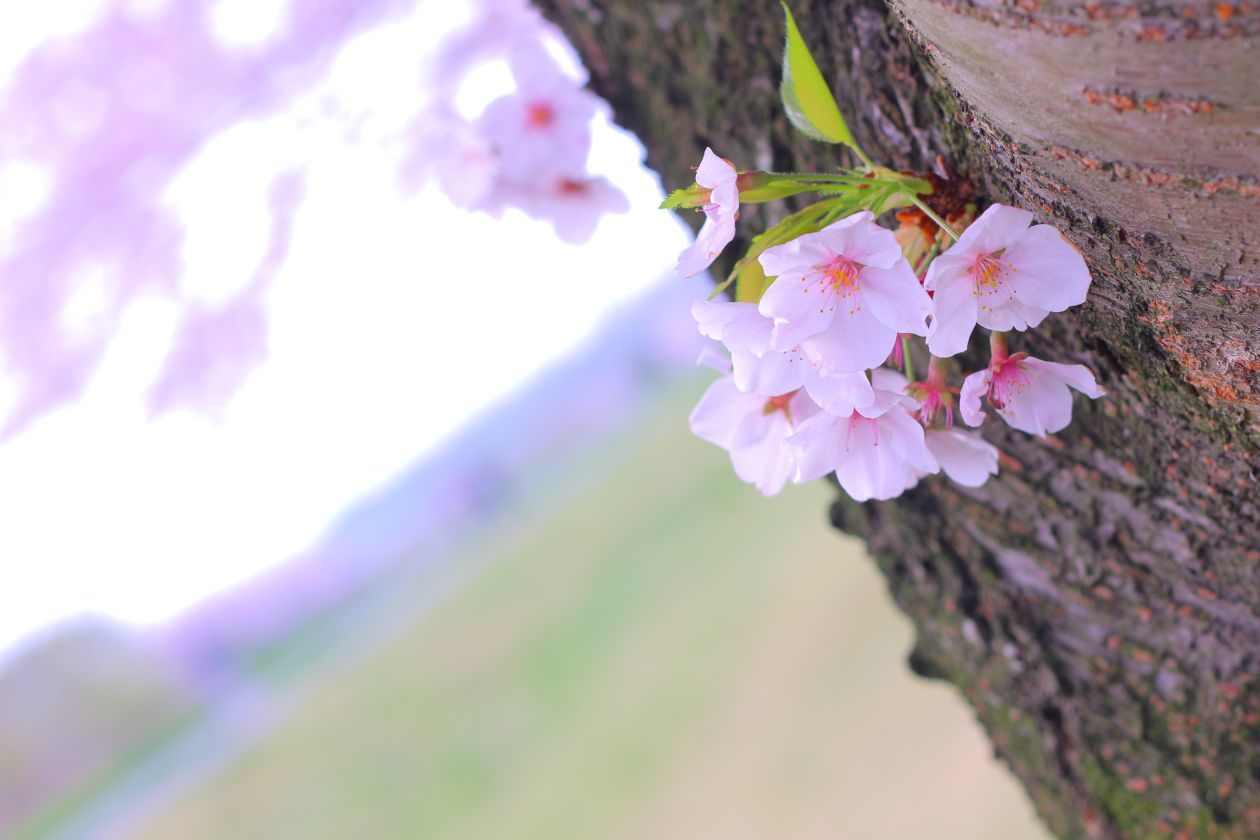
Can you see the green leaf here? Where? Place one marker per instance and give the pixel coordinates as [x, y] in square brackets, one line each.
[750, 282]
[806, 97]
[692, 196]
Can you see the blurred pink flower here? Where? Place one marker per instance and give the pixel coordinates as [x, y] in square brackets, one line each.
[572, 205]
[113, 114]
[542, 129]
[454, 154]
[848, 289]
[720, 213]
[1004, 275]
[753, 429]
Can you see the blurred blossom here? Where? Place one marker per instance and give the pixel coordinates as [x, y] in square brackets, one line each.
[543, 128]
[572, 205]
[527, 149]
[217, 231]
[100, 124]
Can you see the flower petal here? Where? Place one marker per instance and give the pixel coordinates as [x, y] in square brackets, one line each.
[964, 456]
[858, 238]
[1011, 315]
[1040, 406]
[1049, 273]
[895, 297]
[817, 445]
[700, 254]
[954, 312]
[869, 466]
[721, 412]
[767, 464]
[1077, 376]
[712, 358]
[771, 374]
[905, 436]
[712, 316]
[854, 341]
[997, 228]
[713, 171]
[800, 309]
[973, 388]
[839, 393]
[783, 259]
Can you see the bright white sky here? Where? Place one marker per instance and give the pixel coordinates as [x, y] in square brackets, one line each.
[393, 319]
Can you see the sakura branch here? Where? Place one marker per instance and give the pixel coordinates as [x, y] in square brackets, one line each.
[827, 303]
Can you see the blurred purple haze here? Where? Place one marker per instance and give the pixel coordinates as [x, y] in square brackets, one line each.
[112, 114]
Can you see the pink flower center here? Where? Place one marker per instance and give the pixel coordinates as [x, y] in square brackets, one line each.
[539, 115]
[779, 403]
[932, 404]
[839, 279]
[1008, 381]
[989, 273]
[842, 274]
[570, 189]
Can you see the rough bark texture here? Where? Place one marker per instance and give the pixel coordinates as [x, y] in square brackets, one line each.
[1099, 602]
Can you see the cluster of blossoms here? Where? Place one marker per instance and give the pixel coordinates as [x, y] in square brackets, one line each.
[528, 149]
[827, 304]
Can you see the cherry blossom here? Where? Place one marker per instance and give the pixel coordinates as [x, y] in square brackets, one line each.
[572, 205]
[761, 369]
[846, 288]
[934, 396]
[542, 129]
[462, 162]
[1031, 395]
[876, 452]
[753, 429]
[1002, 274]
[964, 456]
[720, 212]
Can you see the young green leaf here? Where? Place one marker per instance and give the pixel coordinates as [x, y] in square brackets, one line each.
[806, 97]
[693, 196]
[750, 282]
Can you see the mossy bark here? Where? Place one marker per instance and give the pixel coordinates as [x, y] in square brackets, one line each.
[1098, 603]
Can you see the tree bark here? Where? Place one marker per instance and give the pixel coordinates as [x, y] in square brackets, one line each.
[1098, 603]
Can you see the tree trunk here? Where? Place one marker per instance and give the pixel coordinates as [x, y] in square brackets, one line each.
[1098, 603]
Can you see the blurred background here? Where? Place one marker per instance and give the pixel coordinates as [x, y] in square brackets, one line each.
[345, 481]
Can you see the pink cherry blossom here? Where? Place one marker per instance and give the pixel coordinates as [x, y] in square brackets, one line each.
[964, 456]
[934, 396]
[462, 162]
[753, 429]
[542, 129]
[1031, 395]
[761, 369]
[876, 452]
[720, 213]
[572, 205]
[847, 289]
[1002, 274]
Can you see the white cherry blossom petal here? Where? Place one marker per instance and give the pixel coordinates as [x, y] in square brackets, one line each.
[896, 298]
[965, 457]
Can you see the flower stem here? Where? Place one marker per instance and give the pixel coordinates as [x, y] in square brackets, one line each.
[927, 258]
[870, 167]
[997, 347]
[941, 223]
[906, 360]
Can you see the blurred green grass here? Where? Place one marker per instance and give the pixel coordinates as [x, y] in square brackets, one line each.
[663, 655]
